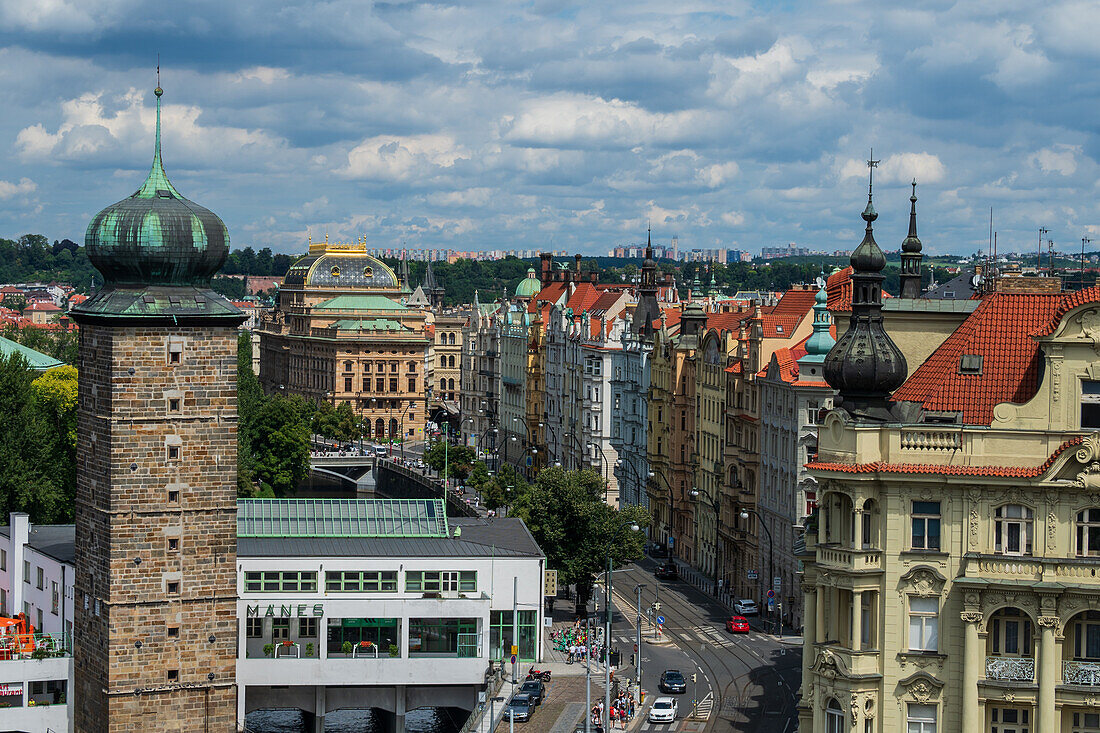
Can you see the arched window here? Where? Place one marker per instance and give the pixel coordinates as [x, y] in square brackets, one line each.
[451, 359]
[379, 429]
[1085, 630]
[366, 428]
[393, 427]
[834, 717]
[442, 384]
[450, 384]
[1088, 532]
[451, 339]
[1010, 636]
[1012, 530]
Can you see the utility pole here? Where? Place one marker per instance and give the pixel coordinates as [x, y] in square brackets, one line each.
[1039, 263]
[446, 457]
[515, 645]
[607, 652]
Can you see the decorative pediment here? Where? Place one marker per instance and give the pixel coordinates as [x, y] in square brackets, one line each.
[921, 686]
[923, 580]
[1088, 455]
[1090, 327]
[830, 665]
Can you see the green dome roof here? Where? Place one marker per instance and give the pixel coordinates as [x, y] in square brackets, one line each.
[529, 286]
[156, 236]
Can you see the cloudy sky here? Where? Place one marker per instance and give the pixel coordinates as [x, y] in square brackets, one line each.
[482, 124]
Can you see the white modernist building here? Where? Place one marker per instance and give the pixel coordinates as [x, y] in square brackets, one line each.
[343, 603]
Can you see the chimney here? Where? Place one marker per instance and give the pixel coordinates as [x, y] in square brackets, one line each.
[577, 258]
[20, 528]
[547, 267]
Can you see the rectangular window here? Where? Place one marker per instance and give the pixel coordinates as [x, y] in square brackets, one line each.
[284, 581]
[361, 581]
[926, 525]
[3, 559]
[1086, 723]
[1010, 720]
[254, 628]
[921, 718]
[41, 575]
[435, 581]
[924, 622]
[55, 597]
[27, 572]
[347, 384]
[380, 385]
[307, 628]
[1090, 404]
[280, 629]
[412, 384]
[173, 404]
[393, 384]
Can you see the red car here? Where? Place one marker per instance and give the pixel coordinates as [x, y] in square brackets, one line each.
[737, 625]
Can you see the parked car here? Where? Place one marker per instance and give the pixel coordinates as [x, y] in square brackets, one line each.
[666, 571]
[663, 711]
[519, 707]
[658, 550]
[536, 689]
[672, 680]
[746, 607]
[737, 625]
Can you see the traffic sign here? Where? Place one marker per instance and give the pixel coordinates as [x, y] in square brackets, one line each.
[515, 651]
[670, 542]
[777, 583]
[771, 593]
[513, 659]
[753, 575]
[657, 606]
[661, 620]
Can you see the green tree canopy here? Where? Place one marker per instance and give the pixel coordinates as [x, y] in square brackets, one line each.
[578, 531]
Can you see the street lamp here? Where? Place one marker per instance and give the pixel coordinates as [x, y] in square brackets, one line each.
[605, 464]
[715, 504]
[607, 634]
[744, 516]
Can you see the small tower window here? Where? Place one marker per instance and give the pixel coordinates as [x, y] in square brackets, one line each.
[173, 452]
[173, 543]
[175, 351]
[173, 404]
[173, 588]
[173, 632]
[173, 675]
[368, 271]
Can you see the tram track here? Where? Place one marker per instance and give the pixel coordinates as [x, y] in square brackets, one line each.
[746, 670]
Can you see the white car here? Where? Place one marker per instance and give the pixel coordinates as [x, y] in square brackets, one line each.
[746, 607]
[663, 710]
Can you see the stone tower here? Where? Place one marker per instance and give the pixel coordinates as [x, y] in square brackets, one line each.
[155, 623]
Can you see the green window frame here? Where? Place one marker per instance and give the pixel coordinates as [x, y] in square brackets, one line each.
[281, 581]
[361, 581]
[436, 581]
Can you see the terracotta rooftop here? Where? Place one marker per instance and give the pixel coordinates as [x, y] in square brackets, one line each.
[1005, 471]
[795, 302]
[838, 287]
[1001, 332]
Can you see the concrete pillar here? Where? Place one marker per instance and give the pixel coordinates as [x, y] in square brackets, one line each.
[1047, 673]
[319, 704]
[810, 594]
[972, 665]
[241, 706]
[821, 634]
[399, 709]
[857, 620]
[857, 529]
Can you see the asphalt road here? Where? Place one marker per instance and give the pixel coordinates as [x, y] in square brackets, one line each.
[745, 682]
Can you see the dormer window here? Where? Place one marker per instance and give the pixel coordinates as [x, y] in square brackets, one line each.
[970, 364]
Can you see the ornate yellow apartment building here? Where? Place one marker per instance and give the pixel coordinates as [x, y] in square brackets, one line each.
[951, 573]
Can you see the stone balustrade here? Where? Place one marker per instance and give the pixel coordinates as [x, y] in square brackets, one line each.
[931, 440]
[843, 558]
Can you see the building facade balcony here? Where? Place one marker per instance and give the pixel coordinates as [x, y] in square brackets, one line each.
[1010, 669]
[844, 559]
[1082, 673]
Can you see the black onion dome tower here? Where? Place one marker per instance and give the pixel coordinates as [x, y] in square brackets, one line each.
[648, 311]
[157, 252]
[911, 253]
[865, 366]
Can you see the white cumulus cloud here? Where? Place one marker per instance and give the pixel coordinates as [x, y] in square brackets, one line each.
[402, 158]
[1060, 159]
[22, 188]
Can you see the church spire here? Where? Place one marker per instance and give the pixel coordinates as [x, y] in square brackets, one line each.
[866, 366]
[911, 253]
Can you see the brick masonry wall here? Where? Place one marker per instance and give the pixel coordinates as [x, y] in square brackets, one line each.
[156, 531]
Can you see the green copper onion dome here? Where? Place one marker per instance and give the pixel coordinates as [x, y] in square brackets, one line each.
[156, 236]
[529, 286]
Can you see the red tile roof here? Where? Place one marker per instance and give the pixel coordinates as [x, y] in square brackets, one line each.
[551, 293]
[606, 300]
[1000, 331]
[780, 326]
[1069, 302]
[795, 303]
[727, 321]
[583, 298]
[1006, 471]
[838, 287]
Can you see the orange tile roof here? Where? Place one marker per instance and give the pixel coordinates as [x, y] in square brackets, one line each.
[583, 298]
[551, 293]
[606, 300]
[780, 326]
[1006, 471]
[795, 303]
[1000, 331]
[727, 321]
[1069, 302]
[838, 287]
[734, 368]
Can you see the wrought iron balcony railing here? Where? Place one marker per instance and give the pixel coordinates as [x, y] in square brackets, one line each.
[1014, 669]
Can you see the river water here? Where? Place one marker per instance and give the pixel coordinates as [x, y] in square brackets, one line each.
[421, 720]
